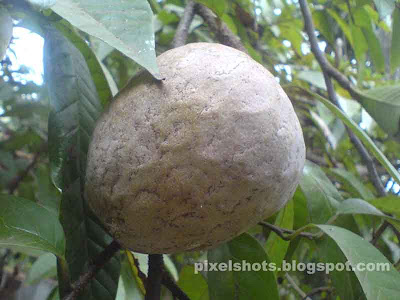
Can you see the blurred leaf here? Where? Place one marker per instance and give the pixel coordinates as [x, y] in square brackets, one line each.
[376, 284]
[6, 30]
[128, 287]
[21, 225]
[389, 204]
[44, 267]
[243, 284]
[54, 295]
[322, 196]
[359, 45]
[47, 195]
[383, 104]
[96, 70]
[217, 6]
[321, 21]
[171, 268]
[43, 4]
[316, 78]
[394, 51]
[352, 182]
[275, 246]
[75, 107]
[124, 25]
[384, 7]
[375, 49]
[193, 284]
[361, 135]
[343, 25]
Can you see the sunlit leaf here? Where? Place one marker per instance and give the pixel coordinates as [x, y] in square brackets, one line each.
[124, 25]
[217, 6]
[376, 284]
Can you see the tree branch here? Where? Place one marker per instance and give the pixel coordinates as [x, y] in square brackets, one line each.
[223, 33]
[328, 71]
[153, 283]
[282, 231]
[14, 183]
[79, 285]
[171, 285]
[184, 24]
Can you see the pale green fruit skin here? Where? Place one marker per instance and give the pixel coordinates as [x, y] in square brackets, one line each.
[196, 159]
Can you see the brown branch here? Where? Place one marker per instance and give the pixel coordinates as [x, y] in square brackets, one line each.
[80, 285]
[328, 71]
[322, 60]
[153, 283]
[377, 234]
[183, 26]
[282, 231]
[223, 33]
[14, 183]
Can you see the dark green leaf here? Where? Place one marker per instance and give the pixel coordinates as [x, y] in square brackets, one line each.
[124, 25]
[375, 49]
[322, 196]
[377, 284]
[389, 204]
[96, 71]
[322, 23]
[75, 107]
[242, 284]
[22, 225]
[394, 51]
[193, 284]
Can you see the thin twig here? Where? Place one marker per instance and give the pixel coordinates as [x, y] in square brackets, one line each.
[328, 70]
[171, 285]
[80, 285]
[295, 286]
[282, 231]
[318, 291]
[378, 233]
[322, 60]
[183, 26]
[153, 283]
[14, 183]
[223, 33]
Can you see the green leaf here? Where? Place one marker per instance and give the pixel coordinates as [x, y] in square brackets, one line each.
[242, 284]
[6, 30]
[321, 21]
[394, 50]
[193, 284]
[46, 194]
[44, 267]
[361, 135]
[375, 49]
[75, 107]
[322, 196]
[383, 104]
[376, 284]
[128, 287]
[22, 225]
[124, 25]
[343, 25]
[389, 204]
[360, 46]
[96, 70]
[217, 6]
[352, 183]
[275, 246]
